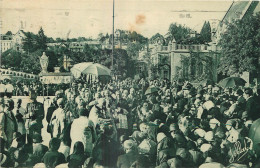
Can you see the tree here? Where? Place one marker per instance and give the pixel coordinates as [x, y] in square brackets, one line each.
[11, 59]
[29, 44]
[156, 37]
[9, 33]
[31, 62]
[133, 49]
[240, 46]
[41, 40]
[178, 32]
[205, 33]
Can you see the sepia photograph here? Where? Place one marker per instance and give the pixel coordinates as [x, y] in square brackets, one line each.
[129, 84]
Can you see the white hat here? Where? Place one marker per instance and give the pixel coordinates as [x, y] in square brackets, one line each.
[248, 122]
[160, 136]
[59, 101]
[214, 121]
[209, 136]
[129, 144]
[200, 132]
[208, 105]
[205, 147]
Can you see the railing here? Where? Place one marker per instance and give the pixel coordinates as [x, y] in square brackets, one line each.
[17, 73]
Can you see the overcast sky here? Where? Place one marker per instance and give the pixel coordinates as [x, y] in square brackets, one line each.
[88, 18]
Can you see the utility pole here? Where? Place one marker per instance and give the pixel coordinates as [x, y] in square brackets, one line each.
[112, 68]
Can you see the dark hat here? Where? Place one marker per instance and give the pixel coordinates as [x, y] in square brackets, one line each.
[239, 92]
[37, 138]
[248, 91]
[174, 127]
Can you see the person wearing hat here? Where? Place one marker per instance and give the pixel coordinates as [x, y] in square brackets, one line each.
[9, 88]
[8, 123]
[232, 134]
[19, 112]
[34, 113]
[241, 101]
[251, 104]
[98, 111]
[58, 119]
[130, 156]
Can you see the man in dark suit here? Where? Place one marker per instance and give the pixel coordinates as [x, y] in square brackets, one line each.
[241, 102]
[251, 104]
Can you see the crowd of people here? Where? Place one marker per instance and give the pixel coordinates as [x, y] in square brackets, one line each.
[128, 123]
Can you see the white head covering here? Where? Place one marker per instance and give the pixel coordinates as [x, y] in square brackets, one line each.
[200, 132]
[208, 105]
[129, 144]
[209, 136]
[214, 121]
[160, 136]
[205, 147]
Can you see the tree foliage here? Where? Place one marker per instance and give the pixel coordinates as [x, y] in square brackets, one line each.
[240, 46]
[41, 40]
[29, 44]
[31, 62]
[11, 58]
[133, 49]
[205, 33]
[156, 37]
[8, 33]
[179, 32]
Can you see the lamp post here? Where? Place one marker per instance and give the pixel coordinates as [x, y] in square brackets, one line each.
[113, 45]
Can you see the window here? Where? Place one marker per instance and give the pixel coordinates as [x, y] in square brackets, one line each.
[165, 74]
[140, 69]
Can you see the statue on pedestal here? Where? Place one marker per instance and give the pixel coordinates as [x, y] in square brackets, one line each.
[44, 61]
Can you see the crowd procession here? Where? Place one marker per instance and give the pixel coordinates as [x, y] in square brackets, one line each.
[128, 123]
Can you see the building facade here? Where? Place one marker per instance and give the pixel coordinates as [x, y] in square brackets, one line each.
[5, 45]
[14, 41]
[189, 62]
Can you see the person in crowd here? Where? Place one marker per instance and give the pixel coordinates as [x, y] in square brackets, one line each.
[78, 157]
[19, 113]
[52, 157]
[39, 149]
[34, 114]
[8, 124]
[9, 88]
[130, 156]
[83, 130]
[177, 125]
[64, 146]
[58, 119]
[251, 104]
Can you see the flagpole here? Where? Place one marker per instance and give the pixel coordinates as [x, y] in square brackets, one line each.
[113, 37]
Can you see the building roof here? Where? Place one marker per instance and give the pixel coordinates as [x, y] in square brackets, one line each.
[239, 9]
[20, 33]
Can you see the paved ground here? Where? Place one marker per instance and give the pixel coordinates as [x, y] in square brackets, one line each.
[25, 99]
